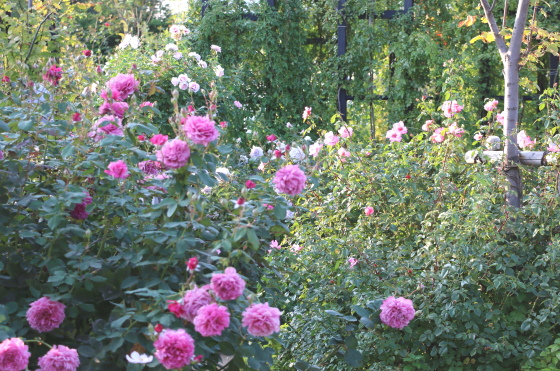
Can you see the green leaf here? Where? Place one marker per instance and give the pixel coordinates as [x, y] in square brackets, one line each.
[26, 125]
[118, 323]
[353, 358]
[368, 323]
[253, 239]
[129, 282]
[171, 210]
[86, 351]
[333, 313]
[526, 325]
[67, 151]
[349, 318]
[375, 304]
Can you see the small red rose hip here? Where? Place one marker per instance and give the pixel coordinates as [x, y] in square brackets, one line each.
[158, 328]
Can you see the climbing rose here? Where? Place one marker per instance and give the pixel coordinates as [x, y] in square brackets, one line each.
[428, 125]
[45, 315]
[315, 148]
[116, 108]
[271, 137]
[192, 263]
[491, 105]
[228, 285]
[87, 53]
[368, 210]
[237, 104]
[146, 104]
[150, 167]
[524, 141]
[352, 262]
[216, 48]
[53, 75]
[211, 320]
[159, 139]
[174, 154]
[501, 118]
[14, 355]
[174, 349]
[478, 136]
[250, 184]
[345, 132]
[306, 113]
[118, 169]
[199, 129]
[60, 358]
[290, 180]
[400, 128]
[450, 108]
[193, 300]
[76, 117]
[455, 130]
[393, 135]
[396, 313]
[331, 139]
[261, 320]
[343, 152]
[437, 137]
[111, 126]
[125, 84]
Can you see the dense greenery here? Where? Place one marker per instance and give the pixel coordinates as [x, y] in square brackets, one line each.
[482, 276]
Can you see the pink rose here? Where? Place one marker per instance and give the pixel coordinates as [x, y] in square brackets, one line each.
[331, 139]
[193, 300]
[174, 154]
[14, 355]
[228, 285]
[397, 313]
[53, 75]
[368, 210]
[60, 358]
[345, 132]
[125, 84]
[261, 320]
[200, 130]
[45, 315]
[159, 139]
[393, 135]
[290, 180]
[174, 349]
[211, 320]
[118, 169]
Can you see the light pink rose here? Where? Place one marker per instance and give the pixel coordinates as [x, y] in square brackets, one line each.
[14, 355]
[397, 313]
[200, 130]
[60, 358]
[174, 349]
[174, 154]
[211, 320]
[290, 180]
[228, 285]
[261, 319]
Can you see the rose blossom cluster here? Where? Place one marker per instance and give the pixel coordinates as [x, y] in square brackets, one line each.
[525, 141]
[451, 108]
[175, 348]
[185, 83]
[178, 31]
[441, 133]
[395, 134]
[491, 105]
[53, 75]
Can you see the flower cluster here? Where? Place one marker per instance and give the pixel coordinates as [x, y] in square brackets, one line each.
[395, 134]
[451, 108]
[178, 31]
[53, 75]
[185, 83]
[525, 141]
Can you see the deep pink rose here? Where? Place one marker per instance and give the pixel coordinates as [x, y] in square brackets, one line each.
[159, 139]
[53, 75]
[397, 313]
[193, 300]
[60, 358]
[118, 169]
[45, 315]
[200, 130]
[211, 320]
[14, 355]
[174, 349]
[125, 84]
[228, 285]
[261, 320]
[174, 154]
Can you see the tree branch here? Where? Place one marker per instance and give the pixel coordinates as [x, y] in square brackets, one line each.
[501, 44]
[35, 37]
[505, 14]
[518, 28]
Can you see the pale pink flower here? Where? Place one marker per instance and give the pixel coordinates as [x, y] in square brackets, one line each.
[331, 139]
[393, 135]
[125, 84]
[437, 136]
[45, 315]
[455, 130]
[211, 320]
[345, 132]
[397, 313]
[315, 148]
[194, 87]
[352, 262]
[219, 71]
[159, 139]
[275, 245]
[146, 104]
[343, 152]
[171, 47]
[228, 285]
[400, 128]
[450, 108]
[368, 210]
[238, 104]
[200, 129]
[296, 248]
[306, 113]
[428, 125]
[478, 136]
[177, 55]
[174, 349]
[193, 300]
[553, 148]
[501, 118]
[202, 64]
[118, 169]
[290, 180]
[14, 355]
[491, 105]
[177, 31]
[524, 141]
[261, 319]
[183, 85]
[60, 358]
[216, 48]
[289, 125]
[174, 154]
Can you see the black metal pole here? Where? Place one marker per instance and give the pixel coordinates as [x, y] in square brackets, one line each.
[204, 6]
[341, 34]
